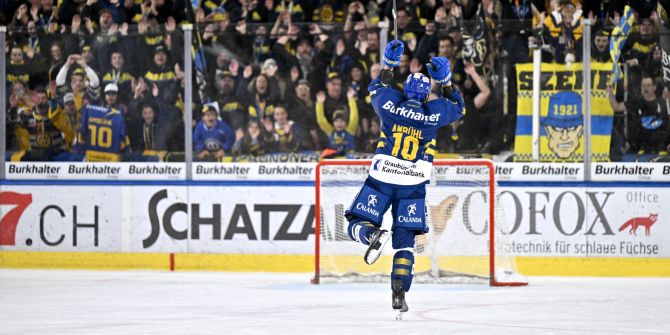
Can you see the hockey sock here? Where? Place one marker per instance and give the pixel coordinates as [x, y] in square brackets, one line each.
[360, 231]
[403, 267]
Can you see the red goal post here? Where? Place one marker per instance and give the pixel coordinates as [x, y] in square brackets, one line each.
[336, 183]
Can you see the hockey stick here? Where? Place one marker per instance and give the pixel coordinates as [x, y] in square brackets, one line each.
[395, 21]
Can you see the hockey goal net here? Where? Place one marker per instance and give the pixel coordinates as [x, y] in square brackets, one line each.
[468, 238]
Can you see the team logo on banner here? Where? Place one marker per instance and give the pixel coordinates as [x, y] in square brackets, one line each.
[561, 114]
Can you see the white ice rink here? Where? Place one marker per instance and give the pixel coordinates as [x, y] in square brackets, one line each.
[89, 302]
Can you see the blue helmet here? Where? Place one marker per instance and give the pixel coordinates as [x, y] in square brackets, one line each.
[417, 86]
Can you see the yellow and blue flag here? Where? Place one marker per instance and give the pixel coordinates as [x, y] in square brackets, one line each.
[618, 40]
[561, 114]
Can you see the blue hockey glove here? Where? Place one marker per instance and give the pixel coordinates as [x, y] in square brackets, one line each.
[393, 52]
[440, 70]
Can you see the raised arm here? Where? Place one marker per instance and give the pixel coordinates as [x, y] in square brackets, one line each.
[321, 113]
[61, 77]
[352, 126]
[484, 91]
[392, 53]
[452, 103]
[616, 106]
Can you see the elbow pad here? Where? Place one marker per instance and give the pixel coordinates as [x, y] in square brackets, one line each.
[386, 77]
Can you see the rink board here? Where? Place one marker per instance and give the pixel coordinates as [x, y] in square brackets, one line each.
[561, 229]
[530, 266]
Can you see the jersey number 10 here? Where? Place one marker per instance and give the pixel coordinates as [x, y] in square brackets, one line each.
[409, 144]
[100, 136]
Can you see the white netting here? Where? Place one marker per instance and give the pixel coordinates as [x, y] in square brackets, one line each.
[455, 250]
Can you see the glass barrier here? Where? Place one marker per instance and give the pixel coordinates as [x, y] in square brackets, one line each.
[287, 91]
[95, 92]
[640, 99]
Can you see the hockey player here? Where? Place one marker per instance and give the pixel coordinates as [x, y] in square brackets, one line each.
[402, 164]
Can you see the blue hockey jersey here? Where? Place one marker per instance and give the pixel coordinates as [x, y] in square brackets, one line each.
[103, 134]
[406, 149]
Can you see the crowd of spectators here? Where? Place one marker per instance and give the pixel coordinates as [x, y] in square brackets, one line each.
[291, 76]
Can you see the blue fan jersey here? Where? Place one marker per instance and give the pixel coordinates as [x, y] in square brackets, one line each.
[103, 134]
[406, 149]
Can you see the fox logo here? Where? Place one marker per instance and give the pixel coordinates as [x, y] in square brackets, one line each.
[633, 223]
[411, 209]
[372, 200]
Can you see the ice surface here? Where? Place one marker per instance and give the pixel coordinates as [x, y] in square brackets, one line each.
[97, 302]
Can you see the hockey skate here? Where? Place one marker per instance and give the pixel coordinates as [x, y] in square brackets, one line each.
[398, 299]
[377, 241]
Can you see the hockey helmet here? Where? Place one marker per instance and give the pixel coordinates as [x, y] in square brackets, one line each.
[417, 86]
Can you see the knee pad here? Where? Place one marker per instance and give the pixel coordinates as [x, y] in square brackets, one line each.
[411, 214]
[403, 268]
[369, 205]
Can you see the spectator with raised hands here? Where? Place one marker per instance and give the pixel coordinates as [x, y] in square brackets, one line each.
[408, 28]
[232, 106]
[259, 99]
[34, 46]
[254, 140]
[565, 35]
[368, 52]
[44, 132]
[301, 110]
[342, 130]
[21, 17]
[475, 128]
[84, 82]
[287, 135]
[358, 20]
[637, 52]
[284, 50]
[336, 100]
[163, 74]
[95, 9]
[119, 75]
